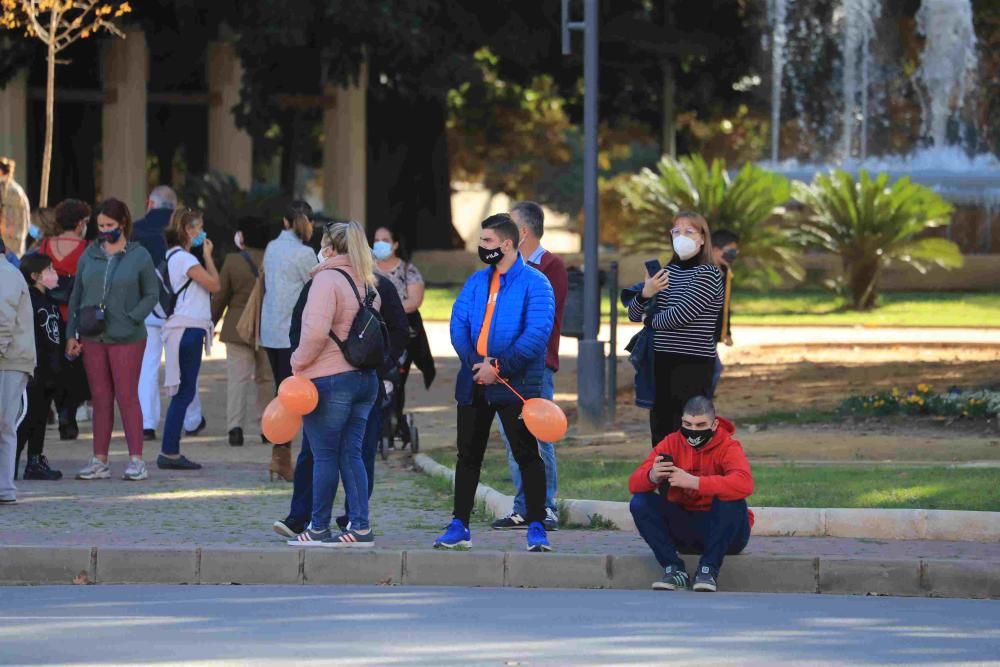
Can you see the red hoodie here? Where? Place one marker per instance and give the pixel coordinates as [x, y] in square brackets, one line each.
[720, 464]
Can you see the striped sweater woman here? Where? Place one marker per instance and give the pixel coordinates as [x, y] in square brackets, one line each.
[687, 299]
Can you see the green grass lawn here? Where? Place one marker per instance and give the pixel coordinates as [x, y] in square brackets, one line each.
[955, 309]
[791, 486]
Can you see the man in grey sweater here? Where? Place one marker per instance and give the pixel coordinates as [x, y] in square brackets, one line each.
[17, 362]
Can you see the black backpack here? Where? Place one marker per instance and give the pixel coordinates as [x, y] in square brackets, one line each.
[168, 297]
[368, 340]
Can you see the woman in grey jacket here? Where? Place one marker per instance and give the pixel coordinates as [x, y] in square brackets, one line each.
[115, 289]
[17, 362]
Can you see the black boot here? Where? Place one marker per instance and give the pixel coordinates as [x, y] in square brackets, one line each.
[38, 469]
[236, 437]
[68, 430]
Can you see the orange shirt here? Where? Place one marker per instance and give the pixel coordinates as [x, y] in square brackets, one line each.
[491, 304]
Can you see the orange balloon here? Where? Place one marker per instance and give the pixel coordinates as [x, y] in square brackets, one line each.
[544, 419]
[278, 424]
[298, 395]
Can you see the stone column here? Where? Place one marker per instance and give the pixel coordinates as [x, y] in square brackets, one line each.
[345, 152]
[123, 149]
[14, 125]
[230, 149]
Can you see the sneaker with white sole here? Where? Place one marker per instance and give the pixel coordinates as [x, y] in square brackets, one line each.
[512, 521]
[551, 519]
[95, 470]
[135, 471]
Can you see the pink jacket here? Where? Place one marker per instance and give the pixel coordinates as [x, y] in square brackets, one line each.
[331, 305]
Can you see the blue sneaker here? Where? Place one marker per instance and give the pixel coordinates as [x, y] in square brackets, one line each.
[538, 540]
[456, 536]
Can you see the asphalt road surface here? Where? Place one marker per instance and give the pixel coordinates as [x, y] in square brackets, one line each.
[353, 625]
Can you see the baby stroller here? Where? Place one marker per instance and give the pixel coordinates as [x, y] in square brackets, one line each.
[395, 424]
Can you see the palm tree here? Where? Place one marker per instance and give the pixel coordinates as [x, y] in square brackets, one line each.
[746, 204]
[871, 224]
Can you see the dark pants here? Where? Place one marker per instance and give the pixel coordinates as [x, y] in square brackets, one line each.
[679, 378]
[474, 424]
[189, 359]
[72, 390]
[32, 429]
[668, 528]
[301, 507]
[280, 359]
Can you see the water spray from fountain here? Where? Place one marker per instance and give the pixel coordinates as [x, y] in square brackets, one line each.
[948, 62]
[777, 11]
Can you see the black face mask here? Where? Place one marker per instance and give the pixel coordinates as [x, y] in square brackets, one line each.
[697, 438]
[491, 256]
[112, 236]
[730, 255]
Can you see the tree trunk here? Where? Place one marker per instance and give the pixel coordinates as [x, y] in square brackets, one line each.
[50, 113]
[409, 184]
[289, 154]
[668, 141]
[862, 282]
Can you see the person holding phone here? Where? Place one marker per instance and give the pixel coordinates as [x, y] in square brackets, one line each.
[703, 477]
[686, 298]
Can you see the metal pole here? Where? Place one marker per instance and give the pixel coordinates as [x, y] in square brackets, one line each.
[613, 343]
[591, 360]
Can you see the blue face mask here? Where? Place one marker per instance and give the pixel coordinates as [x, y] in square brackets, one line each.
[199, 240]
[34, 232]
[382, 250]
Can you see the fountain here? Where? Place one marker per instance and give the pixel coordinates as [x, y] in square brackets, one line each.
[861, 72]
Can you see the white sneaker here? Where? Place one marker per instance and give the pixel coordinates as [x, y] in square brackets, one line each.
[95, 470]
[551, 519]
[84, 413]
[135, 471]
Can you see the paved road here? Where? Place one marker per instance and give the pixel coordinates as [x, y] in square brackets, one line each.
[441, 626]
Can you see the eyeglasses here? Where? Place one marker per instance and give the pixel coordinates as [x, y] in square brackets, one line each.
[689, 232]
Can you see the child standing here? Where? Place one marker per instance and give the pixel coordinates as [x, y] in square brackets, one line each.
[40, 275]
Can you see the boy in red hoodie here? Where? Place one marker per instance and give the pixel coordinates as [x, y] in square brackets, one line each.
[701, 507]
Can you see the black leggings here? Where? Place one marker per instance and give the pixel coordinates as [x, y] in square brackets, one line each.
[679, 378]
[31, 432]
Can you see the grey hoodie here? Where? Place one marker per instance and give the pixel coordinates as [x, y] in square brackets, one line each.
[133, 290]
[17, 321]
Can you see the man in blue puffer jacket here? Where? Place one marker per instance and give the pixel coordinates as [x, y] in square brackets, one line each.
[500, 327]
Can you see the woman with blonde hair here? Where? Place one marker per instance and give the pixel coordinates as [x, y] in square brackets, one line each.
[335, 429]
[288, 260]
[188, 329]
[686, 300]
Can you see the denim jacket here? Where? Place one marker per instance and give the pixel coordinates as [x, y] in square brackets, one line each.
[641, 353]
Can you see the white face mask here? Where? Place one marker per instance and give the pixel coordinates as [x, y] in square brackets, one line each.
[684, 247]
[321, 256]
[238, 240]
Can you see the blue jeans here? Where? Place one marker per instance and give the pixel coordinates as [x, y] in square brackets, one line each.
[336, 429]
[545, 450]
[716, 374]
[668, 528]
[189, 357]
[301, 507]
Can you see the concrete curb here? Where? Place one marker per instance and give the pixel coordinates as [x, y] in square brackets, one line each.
[749, 573]
[947, 525]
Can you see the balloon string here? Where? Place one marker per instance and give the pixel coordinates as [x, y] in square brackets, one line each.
[507, 384]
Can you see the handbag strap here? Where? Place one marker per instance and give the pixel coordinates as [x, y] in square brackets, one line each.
[111, 268]
[253, 267]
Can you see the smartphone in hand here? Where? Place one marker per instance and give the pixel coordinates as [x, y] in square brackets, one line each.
[664, 486]
[653, 267]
